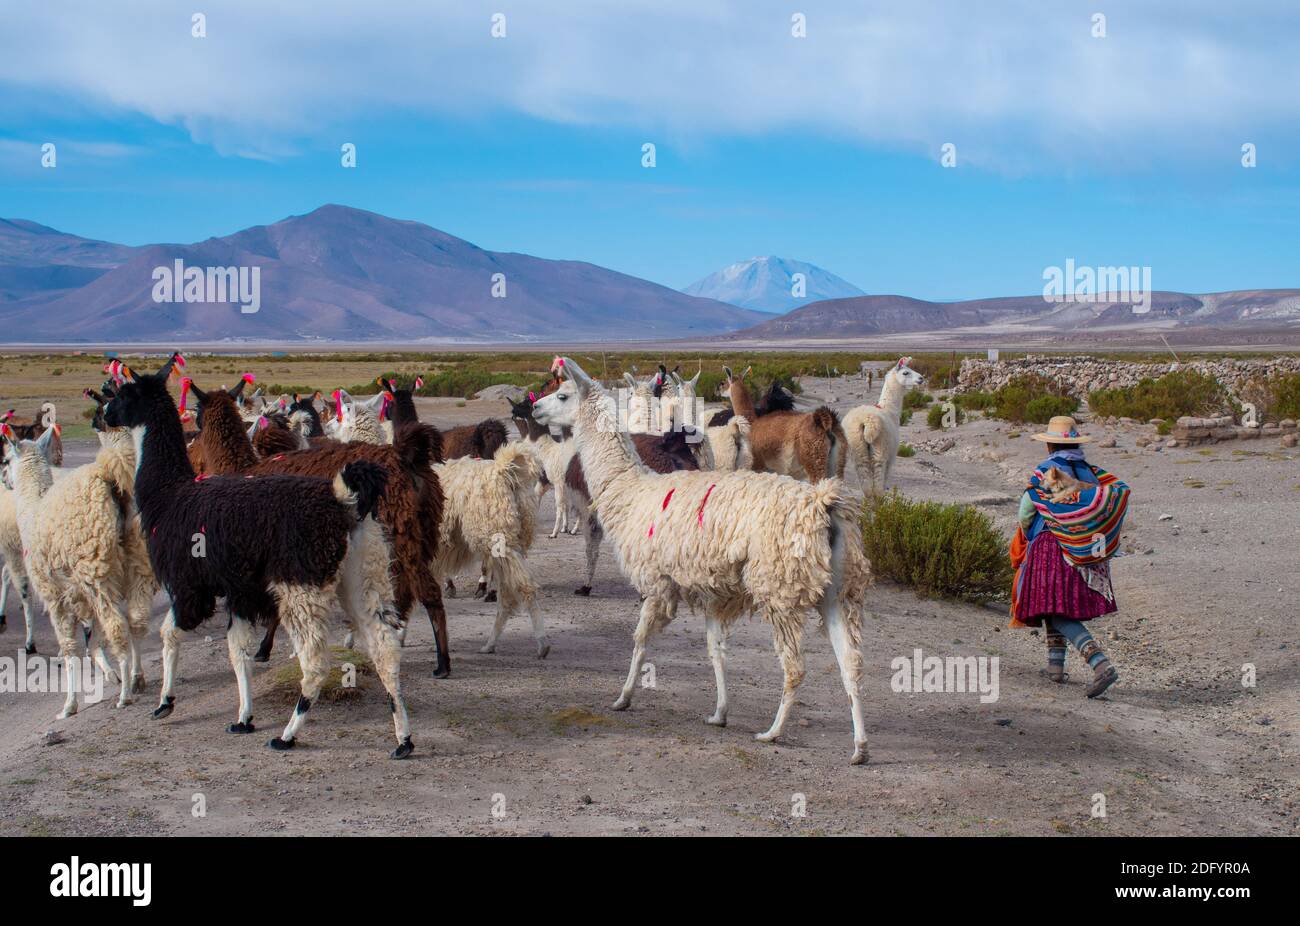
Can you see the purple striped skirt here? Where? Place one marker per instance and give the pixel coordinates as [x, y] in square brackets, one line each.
[1049, 585]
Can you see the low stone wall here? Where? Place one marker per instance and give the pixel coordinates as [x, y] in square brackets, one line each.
[1080, 375]
[1190, 431]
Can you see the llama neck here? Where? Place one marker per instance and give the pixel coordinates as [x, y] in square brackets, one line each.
[224, 440]
[891, 395]
[402, 411]
[32, 479]
[161, 462]
[742, 403]
[606, 451]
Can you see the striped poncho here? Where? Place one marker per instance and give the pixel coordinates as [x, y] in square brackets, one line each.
[1087, 525]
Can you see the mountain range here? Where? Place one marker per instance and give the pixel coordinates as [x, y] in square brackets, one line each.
[343, 274]
[336, 273]
[769, 284]
[1274, 310]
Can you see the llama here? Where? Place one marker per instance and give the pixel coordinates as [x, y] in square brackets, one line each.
[360, 421]
[275, 546]
[480, 441]
[806, 445]
[84, 554]
[410, 509]
[872, 430]
[38, 424]
[14, 571]
[553, 450]
[725, 543]
[727, 443]
[490, 515]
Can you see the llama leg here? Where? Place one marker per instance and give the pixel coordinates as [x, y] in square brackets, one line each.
[788, 648]
[115, 627]
[25, 596]
[561, 510]
[65, 633]
[717, 637]
[171, 660]
[101, 659]
[380, 641]
[438, 619]
[268, 641]
[137, 674]
[654, 617]
[482, 588]
[305, 614]
[594, 534]
[5, 579]
[845, 641]
[238, 637]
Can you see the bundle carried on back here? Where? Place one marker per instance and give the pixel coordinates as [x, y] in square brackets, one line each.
[1087, 522]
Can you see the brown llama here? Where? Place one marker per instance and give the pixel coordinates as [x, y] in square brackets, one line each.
[805, 445]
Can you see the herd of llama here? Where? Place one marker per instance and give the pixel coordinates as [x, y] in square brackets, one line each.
[291, 512]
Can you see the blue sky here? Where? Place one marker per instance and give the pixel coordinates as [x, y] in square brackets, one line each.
[1123, 149]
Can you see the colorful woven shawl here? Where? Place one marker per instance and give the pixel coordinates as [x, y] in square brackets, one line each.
[1087, 525]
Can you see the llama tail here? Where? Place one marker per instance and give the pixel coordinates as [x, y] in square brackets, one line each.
[517, 465]
[826, 420]
[360, 486]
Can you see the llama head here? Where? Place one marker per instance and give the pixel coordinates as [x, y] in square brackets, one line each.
[686, 387]
[139, 395]
[216, 401]
[904, 375]
[560, 408]
[303, 411]
[27, 462]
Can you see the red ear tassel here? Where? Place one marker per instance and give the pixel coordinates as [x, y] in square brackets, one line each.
[249, 378]
[532, 397]
[185, 393]
[262, 422]
[419, 382]
[338, 404]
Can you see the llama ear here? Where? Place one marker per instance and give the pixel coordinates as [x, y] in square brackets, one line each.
[239, 390]
[579, 376]
[726, 371]
[198, 393]
[173, 362]
[47, 436]
[631, 380]
[748, 370]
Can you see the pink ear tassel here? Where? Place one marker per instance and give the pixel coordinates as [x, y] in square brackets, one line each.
[532, 398]
[249, 378]
[419, 382]
[262, 423]
[185, 393]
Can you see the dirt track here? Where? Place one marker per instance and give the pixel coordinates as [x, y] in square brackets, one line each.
[1178, 746]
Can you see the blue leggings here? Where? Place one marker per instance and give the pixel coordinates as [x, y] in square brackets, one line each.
[1076, 633]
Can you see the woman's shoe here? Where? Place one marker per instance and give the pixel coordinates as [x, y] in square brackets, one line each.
[1104, 675]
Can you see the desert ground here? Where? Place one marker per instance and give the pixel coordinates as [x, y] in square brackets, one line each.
[511, 744]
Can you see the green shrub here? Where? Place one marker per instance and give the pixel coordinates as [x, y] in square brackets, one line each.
[905, 416]
[906, 450]
[917, 399]
[1274, 398]
[1032, 398]
[974, 401]
[1183, 392]
[942, 550]
[934, 417]
[1046, 407]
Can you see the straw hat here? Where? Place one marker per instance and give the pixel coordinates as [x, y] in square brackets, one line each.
[1062, 430]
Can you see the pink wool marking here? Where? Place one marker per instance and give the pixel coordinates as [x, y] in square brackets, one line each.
[700, 514]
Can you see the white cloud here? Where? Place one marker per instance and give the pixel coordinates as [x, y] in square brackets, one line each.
[1016, 84]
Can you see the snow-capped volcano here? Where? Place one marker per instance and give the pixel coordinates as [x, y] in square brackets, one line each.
[772, 284]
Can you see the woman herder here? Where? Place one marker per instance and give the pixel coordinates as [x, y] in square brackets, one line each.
[1061, 553]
